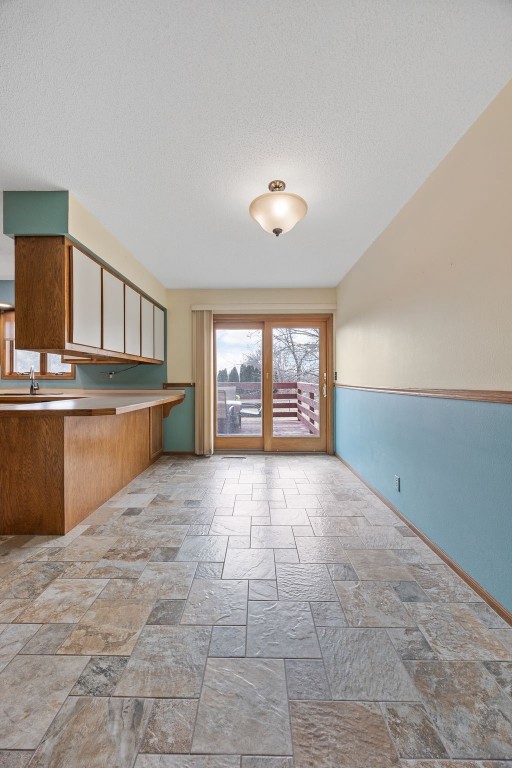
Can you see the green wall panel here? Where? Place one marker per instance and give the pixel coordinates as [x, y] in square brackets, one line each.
[179, 426]
[36, 213]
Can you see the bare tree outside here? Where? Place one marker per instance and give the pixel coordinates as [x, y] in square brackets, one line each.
[295, 354]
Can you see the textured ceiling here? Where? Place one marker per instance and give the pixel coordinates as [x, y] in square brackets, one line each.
[166, 118]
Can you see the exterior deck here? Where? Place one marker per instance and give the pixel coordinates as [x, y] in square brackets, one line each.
[296, 409]
[283, 427]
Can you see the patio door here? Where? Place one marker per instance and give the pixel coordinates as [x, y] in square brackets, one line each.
[273, 383]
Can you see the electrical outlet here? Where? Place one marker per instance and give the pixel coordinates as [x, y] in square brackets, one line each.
[397, 483]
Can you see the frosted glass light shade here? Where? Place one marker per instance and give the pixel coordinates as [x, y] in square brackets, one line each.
[278, 212]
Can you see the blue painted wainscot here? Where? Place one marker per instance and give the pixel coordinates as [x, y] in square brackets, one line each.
[454, 460]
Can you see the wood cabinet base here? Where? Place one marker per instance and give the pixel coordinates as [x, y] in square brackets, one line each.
[56, 470]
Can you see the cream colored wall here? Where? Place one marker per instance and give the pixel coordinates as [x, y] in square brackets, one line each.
[87, 230]
[179, 315]
[430, 303]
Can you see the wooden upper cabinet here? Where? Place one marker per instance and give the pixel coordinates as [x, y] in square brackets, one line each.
[68, 303]
[86, 302]
[147, 326]
[159, 333]
[113, 313]
[132, 321]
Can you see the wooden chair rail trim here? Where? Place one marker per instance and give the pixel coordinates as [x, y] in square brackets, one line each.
[178, 385]
[491, 601]
[480, 395]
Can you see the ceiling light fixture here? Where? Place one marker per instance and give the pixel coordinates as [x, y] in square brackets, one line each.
[278, 211]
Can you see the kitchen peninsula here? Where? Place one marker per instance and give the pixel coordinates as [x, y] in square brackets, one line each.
[63, 455]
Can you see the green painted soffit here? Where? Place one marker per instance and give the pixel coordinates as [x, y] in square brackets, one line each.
[36, 213]
[47, 213]
[40, 214]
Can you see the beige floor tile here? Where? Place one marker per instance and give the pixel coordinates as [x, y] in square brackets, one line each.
[13, 637]
[86, 548]
[110, 627]
[413, 734]
[272, 536]
[187, 761]
[422, 654]
[33, 690]
[378, 565]
[472, 714]
[362, 665]
[28, 580]
[167, 662]
[455, 634]
[64, 601]
[340, 734]
[94, 733]
[48, 639]
[243, 709]
[325, 549]
[215, 601]
[10, 609]
[209, 549]
[304, 581]
[230, 525]
[249, 564]
[166, 581]
[14, 758]
[283, 629]
[372, 604]
[331, 526]
[170, 726]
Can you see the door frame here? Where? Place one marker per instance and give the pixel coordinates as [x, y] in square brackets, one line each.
[266, 442]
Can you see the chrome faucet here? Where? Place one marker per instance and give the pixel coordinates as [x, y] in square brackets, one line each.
[34, 386]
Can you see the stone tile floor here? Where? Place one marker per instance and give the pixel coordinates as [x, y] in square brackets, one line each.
[256, 612]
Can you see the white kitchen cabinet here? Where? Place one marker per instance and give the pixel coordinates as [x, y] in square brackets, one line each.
[70, 303]
[159, 333]
[132, 321]
[113, 313]
[147, 328]
[86, 300]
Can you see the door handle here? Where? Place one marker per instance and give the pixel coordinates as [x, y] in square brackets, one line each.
[324, 390]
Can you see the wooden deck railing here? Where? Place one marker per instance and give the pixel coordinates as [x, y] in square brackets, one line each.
[291, 399]
[308, 406]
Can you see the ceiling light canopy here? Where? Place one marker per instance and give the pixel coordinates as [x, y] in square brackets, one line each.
[278, 211]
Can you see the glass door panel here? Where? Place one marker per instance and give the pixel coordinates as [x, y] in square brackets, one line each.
[239, 401]
[271, 375]
[296, 382]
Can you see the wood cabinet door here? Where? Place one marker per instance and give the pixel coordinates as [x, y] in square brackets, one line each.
[113, 313]
[159, 334]
[86, 306]
[131, 321]
[147, 328]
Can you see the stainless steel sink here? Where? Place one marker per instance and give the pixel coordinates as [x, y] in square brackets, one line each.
[9, 398]
[34, 397]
